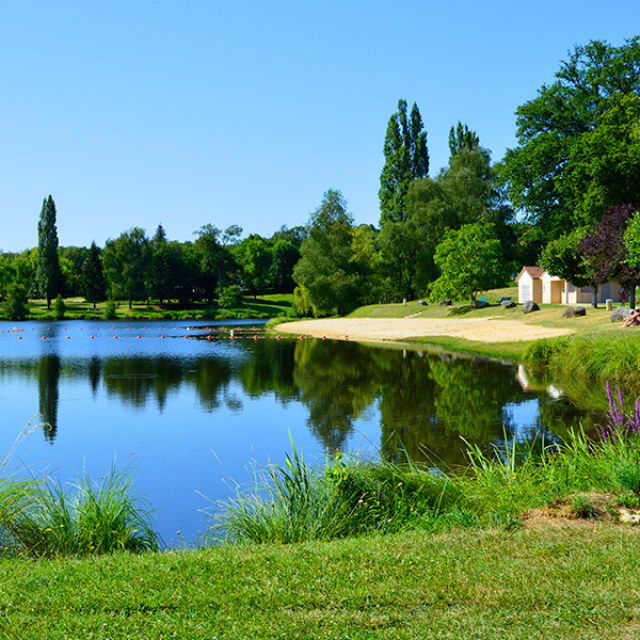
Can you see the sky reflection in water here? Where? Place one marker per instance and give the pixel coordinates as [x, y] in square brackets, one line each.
[194, 415]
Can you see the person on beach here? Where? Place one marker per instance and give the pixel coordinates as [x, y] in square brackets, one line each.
[633, 319]
[623, 296]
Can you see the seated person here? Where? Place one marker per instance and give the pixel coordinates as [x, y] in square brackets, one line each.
[633, 319]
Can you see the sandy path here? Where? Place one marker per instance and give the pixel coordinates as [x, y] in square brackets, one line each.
[374, 329]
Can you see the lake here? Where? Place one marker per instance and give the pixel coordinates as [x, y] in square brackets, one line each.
[195, 411]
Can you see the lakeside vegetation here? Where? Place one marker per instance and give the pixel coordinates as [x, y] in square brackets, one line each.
[530, 543]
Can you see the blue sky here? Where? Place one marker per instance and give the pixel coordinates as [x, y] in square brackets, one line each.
[140, 113]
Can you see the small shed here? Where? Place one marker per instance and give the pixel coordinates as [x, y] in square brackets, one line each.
[530, 284]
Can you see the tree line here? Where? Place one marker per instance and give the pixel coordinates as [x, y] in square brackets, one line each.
[565, 198]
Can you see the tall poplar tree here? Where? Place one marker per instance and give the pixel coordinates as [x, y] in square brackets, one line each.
[47, 274]
[406, 159]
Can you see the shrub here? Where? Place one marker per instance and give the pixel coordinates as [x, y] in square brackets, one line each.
[15, 305]
[230, 297]
[59, 308]
[110, 310]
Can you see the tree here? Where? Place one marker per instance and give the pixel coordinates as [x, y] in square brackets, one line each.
[587, 86]
[254, 256]
[92, 278]
[471, 261]
[213, 249]
[326, 271]
[406, 159]
[284, 257]
[125, 261]
[603, 167]
[606, 253]
[47, 275]
[461, 137]
[563, 258]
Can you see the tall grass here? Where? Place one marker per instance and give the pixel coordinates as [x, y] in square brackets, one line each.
[348, 497]
[83, 517]
[616, 359]
[41, 517]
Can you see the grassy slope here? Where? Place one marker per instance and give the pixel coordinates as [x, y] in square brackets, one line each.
[545, 583]
[595, 324]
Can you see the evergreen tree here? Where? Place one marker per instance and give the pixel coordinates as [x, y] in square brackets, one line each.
[47, 275]
[461, 137]
[406, 159]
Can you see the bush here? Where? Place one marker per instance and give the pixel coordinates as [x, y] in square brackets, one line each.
[15, 305]
[110, 310]
[231, 297]
[59, 308]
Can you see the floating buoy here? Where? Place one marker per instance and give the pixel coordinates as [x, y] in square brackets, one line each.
[19, 337]
[139, 336]
[92, 337]
[44, 337]
[68, 337]
[209, 337]
[346, 337]
[186, 337]
[115, 336]
[301, 337]
[255, 337]
[324, 337]
[162, 336]
[278, 338]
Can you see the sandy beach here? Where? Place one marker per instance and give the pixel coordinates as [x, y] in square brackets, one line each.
[381, 329]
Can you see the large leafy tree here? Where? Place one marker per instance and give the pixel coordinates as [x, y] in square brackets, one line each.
[126, 261]
[213, 248]
[471, 260]
[327, 274]
[254, 256]
[463, 193]
[92, 278]
[587, 87]
[406, 159]
[605, 250]
[47, 275]
[603, 168]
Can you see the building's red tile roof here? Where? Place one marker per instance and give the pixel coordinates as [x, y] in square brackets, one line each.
[535, 273]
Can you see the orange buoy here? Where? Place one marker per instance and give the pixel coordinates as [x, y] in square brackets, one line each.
[278, 338]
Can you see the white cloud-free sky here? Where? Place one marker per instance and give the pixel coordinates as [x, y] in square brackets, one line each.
[246, 112]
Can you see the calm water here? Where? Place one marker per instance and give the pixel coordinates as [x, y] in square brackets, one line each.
[194, 414]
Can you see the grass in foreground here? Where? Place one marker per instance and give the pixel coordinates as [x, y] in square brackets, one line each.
[547, 583]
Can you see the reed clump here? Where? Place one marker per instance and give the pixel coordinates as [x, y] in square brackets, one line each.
[44, 518]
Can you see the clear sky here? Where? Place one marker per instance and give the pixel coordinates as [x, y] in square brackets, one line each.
[245, 112]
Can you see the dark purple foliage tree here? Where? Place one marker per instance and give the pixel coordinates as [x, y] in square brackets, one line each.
[606, 253]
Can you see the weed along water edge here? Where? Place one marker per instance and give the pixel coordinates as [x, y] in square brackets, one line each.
[194, 411]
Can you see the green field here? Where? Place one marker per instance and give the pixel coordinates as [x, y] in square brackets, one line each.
[267, 306]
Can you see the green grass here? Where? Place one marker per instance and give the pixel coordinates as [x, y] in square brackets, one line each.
[266, 306]
[552, 583]
[455, 560]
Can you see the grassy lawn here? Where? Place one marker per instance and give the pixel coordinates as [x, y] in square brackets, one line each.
[551, 582]
[266, 306]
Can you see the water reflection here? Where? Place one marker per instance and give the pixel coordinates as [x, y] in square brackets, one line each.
[430, 406]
